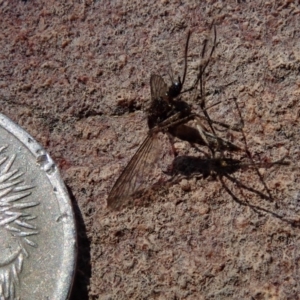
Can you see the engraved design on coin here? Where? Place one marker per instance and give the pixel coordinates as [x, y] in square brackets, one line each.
[16, 223]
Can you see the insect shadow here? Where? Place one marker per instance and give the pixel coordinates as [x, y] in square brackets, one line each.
[221, 168]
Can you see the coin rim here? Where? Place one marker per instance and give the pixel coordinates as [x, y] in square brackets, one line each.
[68, 265]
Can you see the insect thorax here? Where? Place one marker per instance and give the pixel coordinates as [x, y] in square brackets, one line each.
[163, 108]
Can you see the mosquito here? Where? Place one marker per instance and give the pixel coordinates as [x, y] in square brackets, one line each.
[166, 114]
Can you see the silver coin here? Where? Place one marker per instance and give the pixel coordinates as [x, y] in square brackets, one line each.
[37, 228]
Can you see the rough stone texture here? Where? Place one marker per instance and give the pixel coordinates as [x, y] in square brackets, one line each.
[75, 75]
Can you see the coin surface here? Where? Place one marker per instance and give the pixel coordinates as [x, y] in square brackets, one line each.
[37, 227]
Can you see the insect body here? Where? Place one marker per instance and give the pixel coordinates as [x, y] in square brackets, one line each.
[166, 114]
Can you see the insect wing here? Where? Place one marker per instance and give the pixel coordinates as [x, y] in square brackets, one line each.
[135, 176]
[159, 88]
